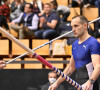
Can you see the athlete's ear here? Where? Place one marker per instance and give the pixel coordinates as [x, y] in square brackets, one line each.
[85, 26]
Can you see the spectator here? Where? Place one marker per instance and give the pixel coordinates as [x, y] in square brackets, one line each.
[52, 77]
[29, 21]
[16, 9]
[5, 9]
[37, 6]
[49, 23]
[23, 3]
[61, 10]
[3, 21]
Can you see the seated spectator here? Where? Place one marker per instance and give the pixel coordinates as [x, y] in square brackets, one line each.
[16, 9]
[29, 21]
[52, 77]
[3, 21]
[61, 10]
[49, 23]
[23, 3]
[37, 6]
[5, 9]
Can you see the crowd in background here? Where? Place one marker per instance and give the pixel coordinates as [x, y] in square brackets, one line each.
[43, 21]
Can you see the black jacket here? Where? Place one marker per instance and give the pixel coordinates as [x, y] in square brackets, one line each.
[3, 22]
[46, 86]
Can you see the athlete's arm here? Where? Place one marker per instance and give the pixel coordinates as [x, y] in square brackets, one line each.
[96, 71]
[96, 64]
[2, 64]
[68, 71]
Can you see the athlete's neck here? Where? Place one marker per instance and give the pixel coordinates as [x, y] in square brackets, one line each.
[83, 37]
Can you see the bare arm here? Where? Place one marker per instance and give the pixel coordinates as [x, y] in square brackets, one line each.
[68, 71]
[52, 24]
[96, 64]
[42, 20]
[96, 71]
[41, 13]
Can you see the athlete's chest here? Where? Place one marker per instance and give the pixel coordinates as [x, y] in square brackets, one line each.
[81, 52]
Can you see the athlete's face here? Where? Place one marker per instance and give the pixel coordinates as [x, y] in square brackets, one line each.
[77, 27]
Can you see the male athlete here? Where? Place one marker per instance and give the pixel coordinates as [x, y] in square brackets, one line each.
[85, 57]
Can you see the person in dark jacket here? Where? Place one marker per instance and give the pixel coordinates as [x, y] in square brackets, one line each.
[52, 77]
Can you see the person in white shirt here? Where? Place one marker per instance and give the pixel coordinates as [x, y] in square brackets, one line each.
[29, 22]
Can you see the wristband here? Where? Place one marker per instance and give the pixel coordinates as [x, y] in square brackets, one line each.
[92, 81]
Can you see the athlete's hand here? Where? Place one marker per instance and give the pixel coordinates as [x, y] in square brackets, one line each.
[53, 86]
[87, 86]
[2, 64]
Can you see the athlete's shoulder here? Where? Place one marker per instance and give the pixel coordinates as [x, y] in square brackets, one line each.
[92, 40]
[76, 42]
[94, 46]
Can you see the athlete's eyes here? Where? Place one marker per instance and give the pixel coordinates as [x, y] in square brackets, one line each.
[75, 26]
